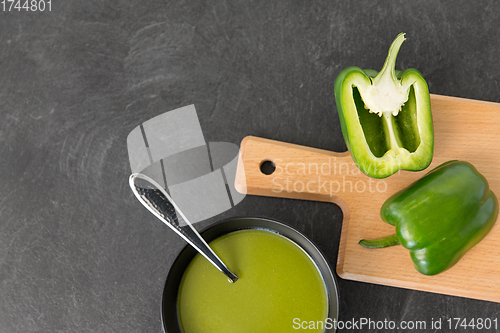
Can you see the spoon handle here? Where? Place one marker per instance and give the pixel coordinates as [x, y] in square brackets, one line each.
[158, 202]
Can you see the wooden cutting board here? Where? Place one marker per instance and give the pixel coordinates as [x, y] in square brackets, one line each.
[464, 129]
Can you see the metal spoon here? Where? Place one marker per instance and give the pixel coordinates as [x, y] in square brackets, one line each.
[157, 201]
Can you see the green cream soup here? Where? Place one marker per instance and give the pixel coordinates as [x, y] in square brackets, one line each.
[277, 283]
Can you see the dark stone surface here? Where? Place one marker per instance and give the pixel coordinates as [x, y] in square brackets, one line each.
[77, 252]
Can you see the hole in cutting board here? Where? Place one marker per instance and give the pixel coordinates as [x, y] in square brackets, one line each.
[267, 167]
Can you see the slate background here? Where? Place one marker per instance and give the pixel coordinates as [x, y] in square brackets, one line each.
[77, 252]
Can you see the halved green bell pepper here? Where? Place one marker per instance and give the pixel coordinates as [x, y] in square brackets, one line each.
[385, 117]
[440, 217]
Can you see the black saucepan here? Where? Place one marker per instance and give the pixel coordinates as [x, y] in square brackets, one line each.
[169, 301]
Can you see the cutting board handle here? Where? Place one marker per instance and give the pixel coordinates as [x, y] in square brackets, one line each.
[301, 173]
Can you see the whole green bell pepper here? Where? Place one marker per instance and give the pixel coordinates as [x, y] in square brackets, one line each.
[385, 117]
[440, 217]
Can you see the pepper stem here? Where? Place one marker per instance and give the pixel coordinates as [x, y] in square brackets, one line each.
[388, 72]
[380, 243]
[386, 95]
